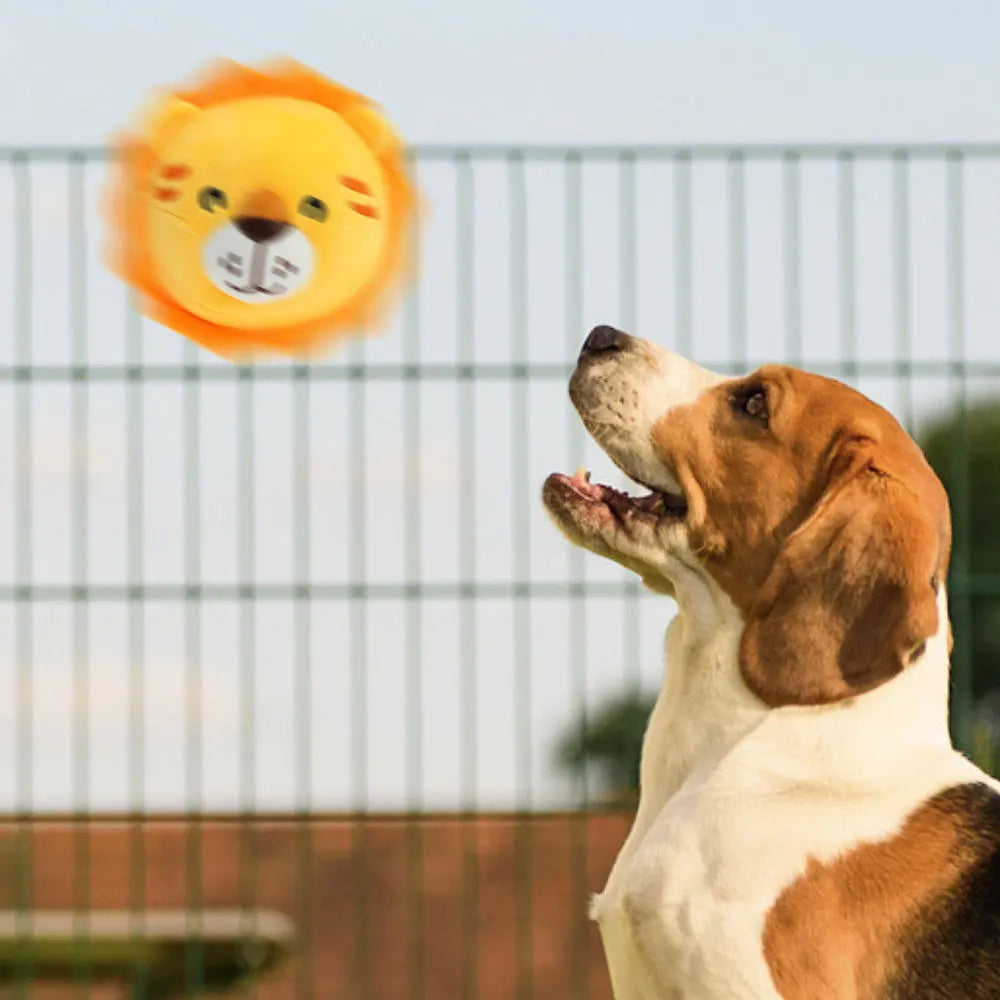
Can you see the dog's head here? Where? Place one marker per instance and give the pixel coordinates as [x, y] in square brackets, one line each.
[803, 502]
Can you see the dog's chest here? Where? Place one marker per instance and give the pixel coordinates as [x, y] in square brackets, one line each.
[683, 912]
[736, 802]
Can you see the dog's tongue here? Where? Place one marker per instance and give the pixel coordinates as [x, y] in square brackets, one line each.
[652, 503]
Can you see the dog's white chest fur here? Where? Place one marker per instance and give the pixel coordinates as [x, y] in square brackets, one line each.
[680, 919]
[736, 799]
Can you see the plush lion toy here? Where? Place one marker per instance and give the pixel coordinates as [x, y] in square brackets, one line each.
[263, 211]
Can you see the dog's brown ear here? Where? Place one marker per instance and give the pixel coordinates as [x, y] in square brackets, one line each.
[852, 595]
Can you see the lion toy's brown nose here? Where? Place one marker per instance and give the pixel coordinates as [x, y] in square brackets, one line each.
[259, 229]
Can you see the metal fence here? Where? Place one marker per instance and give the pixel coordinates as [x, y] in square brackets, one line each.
[318, 593]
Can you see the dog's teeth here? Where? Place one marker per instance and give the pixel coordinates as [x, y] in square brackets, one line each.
[582, 473]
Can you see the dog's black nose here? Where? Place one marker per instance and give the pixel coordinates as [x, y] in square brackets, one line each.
[604, 338]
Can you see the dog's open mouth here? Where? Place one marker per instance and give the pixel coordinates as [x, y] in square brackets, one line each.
[577, 491]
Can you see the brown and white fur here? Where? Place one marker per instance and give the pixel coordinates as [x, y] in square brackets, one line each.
[805, 829]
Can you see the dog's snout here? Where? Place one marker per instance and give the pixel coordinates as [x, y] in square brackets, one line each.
[602, 339]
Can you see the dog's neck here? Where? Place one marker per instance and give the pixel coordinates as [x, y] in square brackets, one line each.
[702, 710]
[705, 710]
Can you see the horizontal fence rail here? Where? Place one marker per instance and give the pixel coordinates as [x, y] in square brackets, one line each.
[294, 653]
[449, 153]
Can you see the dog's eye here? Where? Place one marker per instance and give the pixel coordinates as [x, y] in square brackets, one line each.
[211, 198]
[756, 405]
[752, 403]
[313, 208]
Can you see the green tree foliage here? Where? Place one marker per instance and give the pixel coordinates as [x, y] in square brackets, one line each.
[964, 451]
[608, 742]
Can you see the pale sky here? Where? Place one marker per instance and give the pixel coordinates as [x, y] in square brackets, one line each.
[455, 74]
[519, 71]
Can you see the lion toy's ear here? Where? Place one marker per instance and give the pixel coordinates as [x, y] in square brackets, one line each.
[164, 117]
[373, 128]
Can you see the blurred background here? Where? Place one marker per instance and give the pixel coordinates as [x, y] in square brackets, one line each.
[300, 693]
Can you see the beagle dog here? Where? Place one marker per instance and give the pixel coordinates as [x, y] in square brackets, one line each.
[805, 829]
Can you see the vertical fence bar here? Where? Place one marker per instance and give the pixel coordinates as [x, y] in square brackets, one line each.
[136, 628]
[413, 630]
[628, 291]
[79, 525]
[302, 658]
[23, 562]
[521, 566]
[961, 499]
[846, 254]
[577, 568]
[902, 291]
[357, 568]
[465, 244]
[247, 650]
[628, 278]
[737, 260]
[683, 252]
[194, 972]
[792, 211]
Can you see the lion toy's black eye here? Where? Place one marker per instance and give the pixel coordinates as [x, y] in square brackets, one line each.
[313, 208]
[211, 198]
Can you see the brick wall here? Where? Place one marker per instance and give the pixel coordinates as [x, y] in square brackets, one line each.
[413, 908]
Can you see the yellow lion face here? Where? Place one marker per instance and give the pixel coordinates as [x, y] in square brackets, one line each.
[264, 220]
